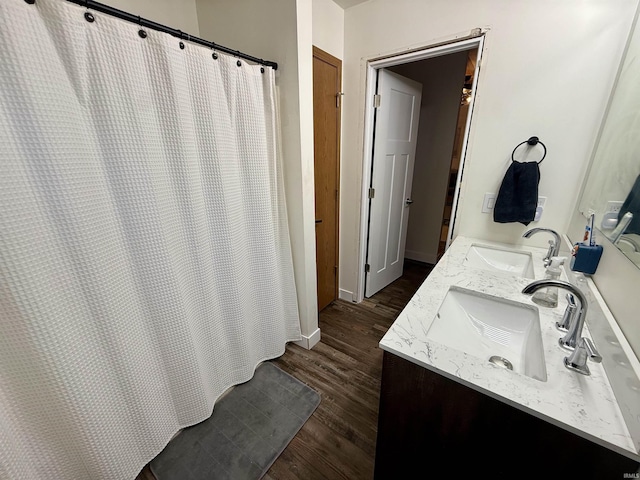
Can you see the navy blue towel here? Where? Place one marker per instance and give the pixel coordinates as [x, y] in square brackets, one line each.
[518, 195]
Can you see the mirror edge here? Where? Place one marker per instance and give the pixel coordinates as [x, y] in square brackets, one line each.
[603, 120]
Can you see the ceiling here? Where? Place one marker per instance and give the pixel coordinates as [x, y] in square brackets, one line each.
[348, 3]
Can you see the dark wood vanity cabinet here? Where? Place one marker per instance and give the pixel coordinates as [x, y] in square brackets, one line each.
[430, 426]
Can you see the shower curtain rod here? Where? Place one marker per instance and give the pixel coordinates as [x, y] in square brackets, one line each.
[143, 22]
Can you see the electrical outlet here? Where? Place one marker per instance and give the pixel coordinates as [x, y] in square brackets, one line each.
[538, 214]
[613, 207]
[489, 202]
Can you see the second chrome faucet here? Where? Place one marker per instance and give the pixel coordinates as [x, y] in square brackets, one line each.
[573, 339]
[554, 245]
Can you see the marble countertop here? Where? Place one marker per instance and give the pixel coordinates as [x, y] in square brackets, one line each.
[584, 405]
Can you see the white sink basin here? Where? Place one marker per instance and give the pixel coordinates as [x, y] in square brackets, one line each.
[513, 262]
[492, 329]
[629, 243]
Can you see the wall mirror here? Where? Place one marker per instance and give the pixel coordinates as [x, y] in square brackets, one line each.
[612, 187]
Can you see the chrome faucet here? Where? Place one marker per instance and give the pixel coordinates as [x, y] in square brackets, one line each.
[621, 227]
[569, 314]
[574, 334]
[554, 245]
[577, 361]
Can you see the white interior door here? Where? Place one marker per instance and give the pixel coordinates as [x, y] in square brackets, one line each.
[394, 149]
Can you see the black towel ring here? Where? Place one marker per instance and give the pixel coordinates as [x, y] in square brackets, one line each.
[532, 141]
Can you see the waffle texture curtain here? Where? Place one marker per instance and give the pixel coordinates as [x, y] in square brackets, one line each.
[145, 263]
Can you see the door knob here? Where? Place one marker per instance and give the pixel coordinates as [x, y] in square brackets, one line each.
[408, 202]
[318, 221]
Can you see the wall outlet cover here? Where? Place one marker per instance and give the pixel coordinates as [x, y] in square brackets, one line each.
[539, 211]
[613, 207]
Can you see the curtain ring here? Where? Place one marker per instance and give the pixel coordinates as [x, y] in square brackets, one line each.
[141, 32]
[214, 55]
[531, 141]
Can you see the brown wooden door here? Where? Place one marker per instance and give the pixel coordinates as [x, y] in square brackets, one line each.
[327, 76]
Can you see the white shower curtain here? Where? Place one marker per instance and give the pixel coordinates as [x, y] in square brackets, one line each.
[145, 263]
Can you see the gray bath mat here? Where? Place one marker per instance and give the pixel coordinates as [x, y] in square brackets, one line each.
[249, 429]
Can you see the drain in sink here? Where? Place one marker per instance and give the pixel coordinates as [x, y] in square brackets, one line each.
[501, 362]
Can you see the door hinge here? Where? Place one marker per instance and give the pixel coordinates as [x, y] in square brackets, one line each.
[372, 192]
[367, 268]
[376, 101]
[339, 99]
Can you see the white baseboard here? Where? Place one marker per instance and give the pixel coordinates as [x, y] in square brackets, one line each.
[310, 341]
[346, 295]
[421, 256]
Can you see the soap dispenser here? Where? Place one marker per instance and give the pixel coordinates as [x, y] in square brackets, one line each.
[548, 297]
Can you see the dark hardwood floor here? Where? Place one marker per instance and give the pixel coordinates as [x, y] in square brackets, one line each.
[345, 367]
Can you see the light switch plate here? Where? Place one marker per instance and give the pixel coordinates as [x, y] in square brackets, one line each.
[489, 202]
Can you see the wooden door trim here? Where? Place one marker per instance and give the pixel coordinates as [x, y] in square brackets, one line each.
[337, 63]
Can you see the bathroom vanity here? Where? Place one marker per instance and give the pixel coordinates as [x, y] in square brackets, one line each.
[444, 403]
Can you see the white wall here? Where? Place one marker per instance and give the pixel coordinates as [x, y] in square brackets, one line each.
[280, 30]
[179, 14]
[442, 79]
[328, 27]
[547, 70]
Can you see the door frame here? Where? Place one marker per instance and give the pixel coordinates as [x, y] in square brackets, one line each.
[335, 62]
[372, 67]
